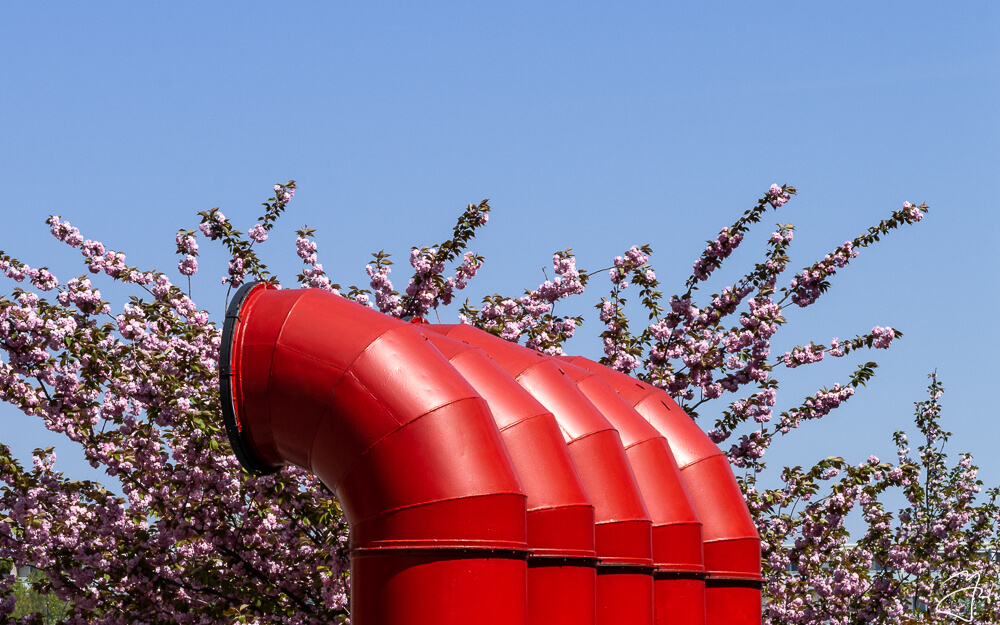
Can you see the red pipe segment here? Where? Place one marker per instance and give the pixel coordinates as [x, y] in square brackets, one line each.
[560, 517]
[362, 400]
[731, 541]
[679, 581]
[441, 531]
[622, 524]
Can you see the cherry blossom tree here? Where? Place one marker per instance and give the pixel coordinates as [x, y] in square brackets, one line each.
[195, 539]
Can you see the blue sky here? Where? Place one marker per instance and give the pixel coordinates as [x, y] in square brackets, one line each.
[592, 126]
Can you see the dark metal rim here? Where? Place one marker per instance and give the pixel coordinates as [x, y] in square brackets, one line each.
[725, 582]
[243, 452]
[537, 561]
[443, 553]
[692, 575]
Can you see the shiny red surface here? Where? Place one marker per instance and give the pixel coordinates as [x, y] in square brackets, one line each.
[366, 403]
[677, 543]
[731, 542]
[485, 482]
[561, 561]
[622, 524]
[428, 589]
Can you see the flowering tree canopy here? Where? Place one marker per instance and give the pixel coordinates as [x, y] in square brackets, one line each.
[195, 539]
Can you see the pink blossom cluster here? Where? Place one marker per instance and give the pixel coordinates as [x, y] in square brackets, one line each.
[836, 350]
[14, 270]
[510, 319]
[623, 266]
[42, 278]
[883, 337]
[758, 407]
[257, 233]
[285, 193]
[751, 447]
[80, 293]
[777, 196]
[729, 300]
[566, 282]
[426, 287]
[192, 539]
[313, 275]
[186, 243]
[503, 317]
[803, 355]
[305, 248]
[717, 251]
[783, 235]
[188, 266]
[816, 407]
[878, 338]
[243, 259]
[620, 359]
[811, 573]
[622, 351]
[548, 336]
[807, 286]
[64, 231]
[387, 299]
[913, 212]
[463, 273]
[212, 227]
[714, 360]
[237, 271]
[532, 313]
[316, 278]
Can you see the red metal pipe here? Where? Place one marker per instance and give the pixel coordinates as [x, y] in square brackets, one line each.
[561, 561]
[731, 542]
[622, 523]
[679, 580]
[366, 403]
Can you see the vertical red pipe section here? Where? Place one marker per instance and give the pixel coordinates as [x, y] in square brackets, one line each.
[679, 580]
[731, 542]
[365, 402]
[622, 525]
[561, 558]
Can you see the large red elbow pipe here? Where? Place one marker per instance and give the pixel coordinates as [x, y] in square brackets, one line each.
[622, 523]
[679, 581]
[731, 541]
[367, 404]
[561, 558]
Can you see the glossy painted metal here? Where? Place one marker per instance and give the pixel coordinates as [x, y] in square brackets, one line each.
[731, 542]
[679, 580]
[370, 407]
[622, 523]
[561, 561]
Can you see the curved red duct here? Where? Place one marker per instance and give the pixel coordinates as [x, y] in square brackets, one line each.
[560, 517]
[731, 541]
[367, 404]
[679, 580]
[622, 524]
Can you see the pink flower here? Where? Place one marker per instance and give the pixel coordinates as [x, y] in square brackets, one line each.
[883, 337]
[188, 266]
[777, 196]
[258, 233]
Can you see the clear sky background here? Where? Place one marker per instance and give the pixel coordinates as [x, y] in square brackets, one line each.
[592, 126]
